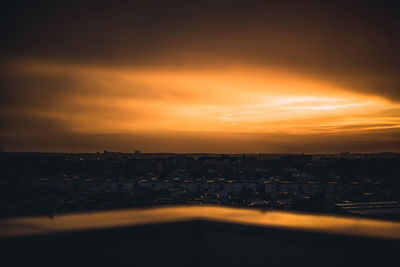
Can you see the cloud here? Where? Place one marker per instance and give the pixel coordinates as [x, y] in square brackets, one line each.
[305, 69]
[18, 121]
[101, 99]
[348, 44]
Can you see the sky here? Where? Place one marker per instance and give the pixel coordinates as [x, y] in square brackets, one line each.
[200, 76]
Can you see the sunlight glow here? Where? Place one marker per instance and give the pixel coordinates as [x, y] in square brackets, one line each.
[236, 99]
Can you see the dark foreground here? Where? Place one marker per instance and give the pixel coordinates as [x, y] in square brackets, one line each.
[198, 236]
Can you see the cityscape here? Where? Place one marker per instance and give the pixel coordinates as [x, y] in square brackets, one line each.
[356, 184]
[200, 133]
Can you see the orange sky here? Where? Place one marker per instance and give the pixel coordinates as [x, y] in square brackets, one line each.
[233, 99]
[232, 102]
[220, 77]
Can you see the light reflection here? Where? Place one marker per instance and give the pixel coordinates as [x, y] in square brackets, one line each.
[271, 219]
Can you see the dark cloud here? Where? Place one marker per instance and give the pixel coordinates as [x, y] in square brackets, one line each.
[17, 121]
[24, 91]
[32, 102]
[50, 90]
[349, 43]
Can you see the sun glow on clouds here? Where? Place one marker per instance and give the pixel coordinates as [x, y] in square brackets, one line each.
[237, 99]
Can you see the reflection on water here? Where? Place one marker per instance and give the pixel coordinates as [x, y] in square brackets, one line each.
[274, 219]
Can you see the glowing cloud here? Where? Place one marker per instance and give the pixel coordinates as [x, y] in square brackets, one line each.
[228, 101]
[106, 100]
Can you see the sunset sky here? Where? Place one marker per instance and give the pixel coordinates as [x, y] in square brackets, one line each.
[200, 76]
